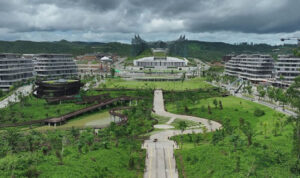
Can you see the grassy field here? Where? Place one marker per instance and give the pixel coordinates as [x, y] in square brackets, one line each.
[175, 123]
[97, 119]
[269, 155]
[160, 119]
[35, 109]
[195, 83]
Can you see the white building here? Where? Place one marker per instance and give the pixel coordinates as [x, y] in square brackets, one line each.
[14, 68]
[55, 66]
[254, 67]
[160, 62]
[287, 69]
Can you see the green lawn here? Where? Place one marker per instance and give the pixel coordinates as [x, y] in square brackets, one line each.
[195, 83]
[268, 156]
[35, 109]
[98, 119]
[175, 123]
[160, 119]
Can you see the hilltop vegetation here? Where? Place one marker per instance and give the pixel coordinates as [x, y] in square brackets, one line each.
[75, 48]
[209, 51]
[206, 51]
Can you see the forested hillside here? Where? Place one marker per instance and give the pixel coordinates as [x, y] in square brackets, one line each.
[208, 51]
[75, 48]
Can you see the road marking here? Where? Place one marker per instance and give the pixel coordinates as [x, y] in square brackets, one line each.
[170, 166]
[150, 162]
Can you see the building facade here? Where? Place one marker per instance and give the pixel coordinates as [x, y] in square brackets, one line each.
[254, 67]
[14, 68]
[160, 62]
[287, 69]
[55, 66]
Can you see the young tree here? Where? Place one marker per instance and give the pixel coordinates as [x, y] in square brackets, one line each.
[270, 93]
[209, 109]
[215, 102]
[182, 125]
[112, 72]
[220, 105]
[247, 129]
[261, 92]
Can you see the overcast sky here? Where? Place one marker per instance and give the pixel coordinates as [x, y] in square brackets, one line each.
[232, 21]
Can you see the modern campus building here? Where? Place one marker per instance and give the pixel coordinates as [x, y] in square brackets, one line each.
[287, 68]
[55, 66]
[14, 68]
[160, 62]
[253, 67]
[57, 88]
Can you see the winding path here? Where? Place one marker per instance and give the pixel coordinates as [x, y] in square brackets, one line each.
[160, 161]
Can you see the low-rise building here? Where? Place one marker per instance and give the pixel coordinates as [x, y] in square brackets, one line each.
[160, 62]
[13, 69]
[254, 67]
[287, 69]
[93, 69]
[55, 66]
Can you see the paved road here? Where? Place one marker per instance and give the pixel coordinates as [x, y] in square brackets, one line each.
[160, 162]
[25, 91]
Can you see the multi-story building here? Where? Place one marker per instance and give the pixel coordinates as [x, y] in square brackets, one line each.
[14, 68]
[55, 66]
[160, 62]
[287, 69]
[254, 67]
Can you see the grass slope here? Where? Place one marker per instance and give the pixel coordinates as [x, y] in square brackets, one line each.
[269, 155]
[195, 83]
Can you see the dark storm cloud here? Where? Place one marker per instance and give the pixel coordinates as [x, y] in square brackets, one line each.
[150, 16]
[97, 5]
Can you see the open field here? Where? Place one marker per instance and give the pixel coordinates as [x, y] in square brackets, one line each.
[176, 122]
[31, 108]
[95, 119]
[195, 83]
[227, 153]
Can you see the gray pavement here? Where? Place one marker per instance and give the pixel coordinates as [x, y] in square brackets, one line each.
[160, 161]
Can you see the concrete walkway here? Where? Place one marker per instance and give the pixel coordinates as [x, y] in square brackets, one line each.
[160, 161]
[13, 98]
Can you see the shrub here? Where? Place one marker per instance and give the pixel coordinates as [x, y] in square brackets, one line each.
[258, 112]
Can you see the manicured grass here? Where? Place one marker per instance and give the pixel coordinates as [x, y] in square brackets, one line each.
[269, 155]
[160, 119]
[233, 108]
[175, 123]
[97, 119]
[195, 83]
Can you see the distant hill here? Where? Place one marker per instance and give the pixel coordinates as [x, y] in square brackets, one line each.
[208, 51]
[75, 48]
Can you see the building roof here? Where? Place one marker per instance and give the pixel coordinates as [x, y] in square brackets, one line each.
[105, 58]
[168, 59]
